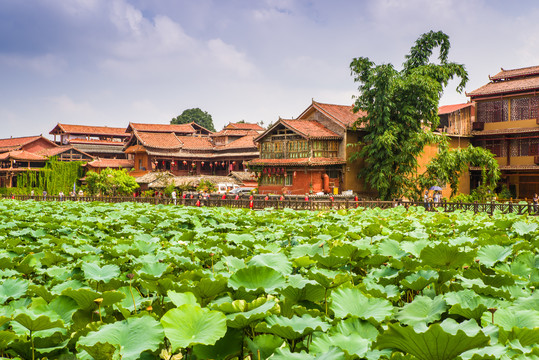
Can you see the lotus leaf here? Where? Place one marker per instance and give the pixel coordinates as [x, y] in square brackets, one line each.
[257, 278]
[352, 302]
[93, 271]
[131, 337]
[422, 311]
[188, 325]
[285, 354]
[12, 289]
[523, 228]
[292, 328]
[179, 299]
[507, 319]
[439, 341]
[351, 344]
[491, 254]
[420, 280]
[264, 344]
[277, 262]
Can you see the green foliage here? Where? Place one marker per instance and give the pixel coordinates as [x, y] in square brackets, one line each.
[401, 113]
[111, 182]
[105, 281]
[56, 176]
[206, 186]
[448, 165]
[195, 115]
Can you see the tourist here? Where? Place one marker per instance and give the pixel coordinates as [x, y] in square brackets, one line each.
[44, 195]
[61, 195]
[535, 202]
[173, 195]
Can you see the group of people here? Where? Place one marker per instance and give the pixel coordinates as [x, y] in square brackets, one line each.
[428, 200]
[61, 194]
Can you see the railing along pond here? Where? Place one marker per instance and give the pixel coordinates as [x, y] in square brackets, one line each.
[260, 202]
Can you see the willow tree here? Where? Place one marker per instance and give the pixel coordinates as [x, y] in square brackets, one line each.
[401, 112]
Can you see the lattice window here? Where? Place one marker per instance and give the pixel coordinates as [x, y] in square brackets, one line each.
[492, 111]
[526, 147]
[497, 147]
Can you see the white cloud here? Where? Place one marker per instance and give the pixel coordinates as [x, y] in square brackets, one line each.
[46, 65]
[229, 58]
[68, 107]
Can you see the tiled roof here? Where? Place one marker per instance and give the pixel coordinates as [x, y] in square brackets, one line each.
[195, 143]
[245, 142]
[88, 130]
[22, 155]
[448, 109]
[507, 86]
[159, 140]
[112, 163]
[96, 142]
[343, 114]
[310, 129]
[244, 126]
[505, 131]
[243, 175]
[295, 162]
[512, 73]
[166, 128]
[235, 132]
[511, 167]
[15, 143]
[54, 151]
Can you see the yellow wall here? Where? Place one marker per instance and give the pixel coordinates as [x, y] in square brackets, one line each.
[530, 123]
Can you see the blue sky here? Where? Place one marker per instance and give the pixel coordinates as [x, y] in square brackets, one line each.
[109, 62]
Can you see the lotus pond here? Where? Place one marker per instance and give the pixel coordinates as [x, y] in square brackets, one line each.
[137, 281]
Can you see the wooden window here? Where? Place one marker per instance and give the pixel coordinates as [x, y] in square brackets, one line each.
[493, 111]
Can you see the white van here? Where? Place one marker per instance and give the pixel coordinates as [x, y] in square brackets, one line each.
[223, 188]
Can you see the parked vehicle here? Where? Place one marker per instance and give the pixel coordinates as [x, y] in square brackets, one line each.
[224, 188]
[242, 190]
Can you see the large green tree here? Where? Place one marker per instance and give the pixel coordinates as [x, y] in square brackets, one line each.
[111, 182]
[401, 112]
[195, 115]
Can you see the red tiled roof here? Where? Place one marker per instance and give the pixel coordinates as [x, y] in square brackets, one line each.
[54, 151]
[167, 128]
[159, 140]
[448, 109]
[512, 73]
[343, 114]
[21, 155]
[310, 129]
[234, 132]
[245, 142]
[244, 126]
[294, 162]
[88, 130]
[508, 86]
[15, 143]
[96, 142]
[111, 163]
[195, 143]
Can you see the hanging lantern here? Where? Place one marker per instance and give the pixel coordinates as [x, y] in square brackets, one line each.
[294, 174]
[202, 163]
[185, 162]
[223, 163]
[172, 163]
[163, 162]
[216, 163]
[283, 170]
[233, 163]
[211, 165]
[265, 171]
[193, 164]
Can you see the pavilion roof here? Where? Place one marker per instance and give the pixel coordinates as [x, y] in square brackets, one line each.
[448, 109]
[88, 130]
[17, 142]
[22, 155]
[243, 126]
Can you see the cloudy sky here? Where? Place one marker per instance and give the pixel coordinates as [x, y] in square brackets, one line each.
[109, 62]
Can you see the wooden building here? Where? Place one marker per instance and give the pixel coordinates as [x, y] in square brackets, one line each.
[309, 154]
[186, 150]
[505, 121]
[97, 141]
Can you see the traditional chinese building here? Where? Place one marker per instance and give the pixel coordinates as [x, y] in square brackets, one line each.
[97, 141]
[309, 154]
[186, 150]
[505, 121]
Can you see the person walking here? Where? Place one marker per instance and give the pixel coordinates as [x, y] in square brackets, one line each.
[426, 200]
[535, 202]
[173, 195]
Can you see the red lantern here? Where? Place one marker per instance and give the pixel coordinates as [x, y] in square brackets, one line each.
[223, 163]
[233, 163]
[216, 163]
[265, 171]
[163, 162]
[172, 163]
[282, 170]
[211, 165]
[185, 162]
[202, 163]
[294, 174]
[193, 164]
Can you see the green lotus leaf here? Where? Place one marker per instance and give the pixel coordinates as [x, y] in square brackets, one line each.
[257, 278]
[292, 328]
[352, 344]
[188, 325]
[233, 263]
[277, 262]
[98, 351]
[223, 348]
[85, 298]
[527, 303]
[131, 336]
[153, 270]
[352, 302]
[526, 337]
[523, 228]
[422, 311]
[390, 248]
[179, 299]
[349, 251]
[12, 289]
[241, 313]
[443, 341]
[63, 306]
[414, 247]
[264, 344]
[508, 319]
[355, 326]
[419, 280]
[6, 337]
[329, 279]
[489, 255]
[285, 354]
[298, 289]
[330, 261]
[93, 271]
[69, 284]
[37, 322]
[208, 288]
[127, 300]
[467, 303]
[443, 256]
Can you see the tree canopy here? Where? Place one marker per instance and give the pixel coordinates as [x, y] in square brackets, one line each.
[111, 182]
[195, 115]
[401, 112]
